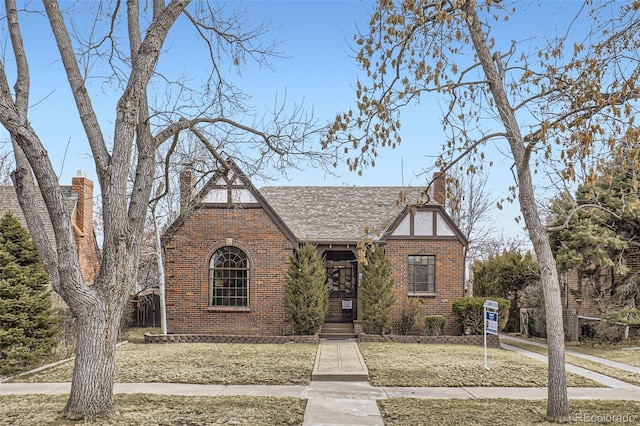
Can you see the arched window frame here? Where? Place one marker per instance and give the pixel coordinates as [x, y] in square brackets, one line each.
[229, 279]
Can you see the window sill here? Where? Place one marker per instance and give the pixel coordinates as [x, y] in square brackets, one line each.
[421, 294]
[229, 309]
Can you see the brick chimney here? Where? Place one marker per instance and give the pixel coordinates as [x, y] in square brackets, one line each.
[82, 222]
[187, 188]
[439, 188]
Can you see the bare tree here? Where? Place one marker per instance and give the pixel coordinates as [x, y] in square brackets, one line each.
[562, 99]
[470, 207]
[142, 122]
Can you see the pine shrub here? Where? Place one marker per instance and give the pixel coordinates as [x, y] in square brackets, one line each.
[27, 321]
[376, 293]
[306, 297]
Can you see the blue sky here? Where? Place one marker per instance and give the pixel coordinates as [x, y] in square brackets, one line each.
[315, 38]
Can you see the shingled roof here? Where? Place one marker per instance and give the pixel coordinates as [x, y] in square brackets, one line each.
[9, 203]
[337, 213]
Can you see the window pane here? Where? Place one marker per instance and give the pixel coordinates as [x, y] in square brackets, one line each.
[421, 277]
[229, 278]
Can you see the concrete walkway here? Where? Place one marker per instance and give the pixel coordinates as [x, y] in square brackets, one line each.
[615, 364]
[597, 377]
[340, 393]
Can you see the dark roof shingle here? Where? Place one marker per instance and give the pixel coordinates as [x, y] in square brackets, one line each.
[337, 213]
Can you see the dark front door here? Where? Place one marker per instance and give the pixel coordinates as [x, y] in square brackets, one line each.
[342, 284]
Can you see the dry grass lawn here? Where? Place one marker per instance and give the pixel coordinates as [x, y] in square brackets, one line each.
[616, 373]
[203, 363]
[498, 412]
[612, 352]
[28, 410]
[406, 364]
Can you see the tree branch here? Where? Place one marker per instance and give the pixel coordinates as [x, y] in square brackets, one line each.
[565, 224]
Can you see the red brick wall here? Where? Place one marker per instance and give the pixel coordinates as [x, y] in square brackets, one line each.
[82, 218]
[187, 256]
[449, 277]
[583, 291]
[337, 314]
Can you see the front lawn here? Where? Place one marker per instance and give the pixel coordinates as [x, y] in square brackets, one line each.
[408, 364]
[142, 409]
[203, 363]
[501, 412]
[616, 373]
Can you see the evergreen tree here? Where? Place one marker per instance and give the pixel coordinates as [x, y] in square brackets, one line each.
[596, 230]
[376, 292]
[27, 323]
[306, 297]
[504, 276]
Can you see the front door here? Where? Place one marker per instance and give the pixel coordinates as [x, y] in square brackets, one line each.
[342, 284]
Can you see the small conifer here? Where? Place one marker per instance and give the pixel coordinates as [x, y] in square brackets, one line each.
[27, 321]
[376, 292]
[306, 296]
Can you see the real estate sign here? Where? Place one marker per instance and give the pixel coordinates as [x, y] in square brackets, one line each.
[490, 316]
[491, 322]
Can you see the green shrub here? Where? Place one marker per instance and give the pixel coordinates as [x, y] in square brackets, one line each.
[408, 316]
[376, 293]
[434, 325]
[27, 321]
[469, 312]
[306, 299]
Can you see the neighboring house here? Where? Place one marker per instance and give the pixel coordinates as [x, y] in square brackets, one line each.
[589, 293]
[79, 201]
[227, 255]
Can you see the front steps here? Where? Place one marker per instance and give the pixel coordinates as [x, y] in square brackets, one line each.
[337, 330]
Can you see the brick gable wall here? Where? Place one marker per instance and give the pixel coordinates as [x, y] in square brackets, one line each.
[449, 277]
[187, 256]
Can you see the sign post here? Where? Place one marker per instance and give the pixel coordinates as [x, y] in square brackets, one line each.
[490, 320]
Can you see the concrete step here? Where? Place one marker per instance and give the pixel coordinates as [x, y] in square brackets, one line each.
[337, 330]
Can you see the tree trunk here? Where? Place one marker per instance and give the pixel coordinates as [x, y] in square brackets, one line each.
[98, 326]
[557, 404]
[91, 393]
[557, 400]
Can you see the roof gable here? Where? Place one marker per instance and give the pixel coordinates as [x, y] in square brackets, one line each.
[9, 203]
[234, 188]
[429, 221]
[229, 190]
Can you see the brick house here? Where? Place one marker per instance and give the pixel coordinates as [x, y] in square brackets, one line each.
[227, 255]
[79, 201]
[588, 293]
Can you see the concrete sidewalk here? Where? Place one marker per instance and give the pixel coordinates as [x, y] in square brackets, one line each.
[330, 390]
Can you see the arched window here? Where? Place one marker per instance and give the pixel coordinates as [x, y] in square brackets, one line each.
[229, 278]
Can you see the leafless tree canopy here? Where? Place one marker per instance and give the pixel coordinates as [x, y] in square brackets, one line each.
[159, 116]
